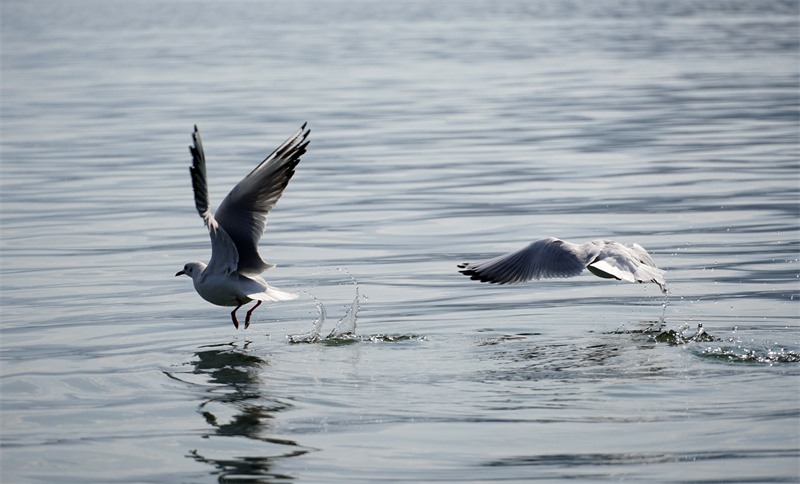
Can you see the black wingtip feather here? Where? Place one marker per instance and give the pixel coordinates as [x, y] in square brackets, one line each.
[474, 275]
[198, 173]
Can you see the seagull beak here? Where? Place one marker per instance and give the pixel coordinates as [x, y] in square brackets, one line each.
[180, 273]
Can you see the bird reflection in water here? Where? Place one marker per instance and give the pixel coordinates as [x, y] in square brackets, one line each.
[236, 406]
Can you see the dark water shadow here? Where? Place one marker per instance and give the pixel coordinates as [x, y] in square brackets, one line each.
[526, 357]
[730, 350]
[235, 405]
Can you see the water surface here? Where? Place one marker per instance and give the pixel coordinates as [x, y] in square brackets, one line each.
[440, 134]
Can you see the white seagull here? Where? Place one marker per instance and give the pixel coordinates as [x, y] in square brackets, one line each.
[551, 257]
[231, 277]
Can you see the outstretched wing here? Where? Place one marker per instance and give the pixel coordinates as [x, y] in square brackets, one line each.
[224, 256]
[549, 257]
[243, 213]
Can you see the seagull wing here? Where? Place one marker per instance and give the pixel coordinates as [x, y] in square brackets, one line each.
[224, 256]
[648, 271]
[632, 264]
[549, 257]
[641, 254]
[243, 213]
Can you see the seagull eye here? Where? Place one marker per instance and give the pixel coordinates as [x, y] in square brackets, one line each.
[186, 267]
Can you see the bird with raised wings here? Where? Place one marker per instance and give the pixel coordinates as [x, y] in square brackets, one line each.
[551, 257]
[232, 276]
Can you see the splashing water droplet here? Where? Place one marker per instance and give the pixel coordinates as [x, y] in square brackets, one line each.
[313, 335]
[347, 325]
[343, 329]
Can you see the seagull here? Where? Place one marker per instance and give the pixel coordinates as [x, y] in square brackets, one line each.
[551, 257]
[232, 276]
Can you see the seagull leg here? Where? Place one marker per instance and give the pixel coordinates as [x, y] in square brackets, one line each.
[247, 319]
[233, 314]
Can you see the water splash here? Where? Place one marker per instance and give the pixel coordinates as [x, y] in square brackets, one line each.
[346, 327]
[683, 335]
[343, 330]
[733, 350]
[664, 307]
[765, 355]
[375, 338]
[313, 335]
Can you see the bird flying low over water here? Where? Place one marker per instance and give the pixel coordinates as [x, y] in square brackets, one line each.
[232, 276]
[551, 257]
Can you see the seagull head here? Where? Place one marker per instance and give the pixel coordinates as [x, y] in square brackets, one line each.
[192, 269]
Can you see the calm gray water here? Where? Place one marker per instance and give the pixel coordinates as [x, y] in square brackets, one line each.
[441, 133]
